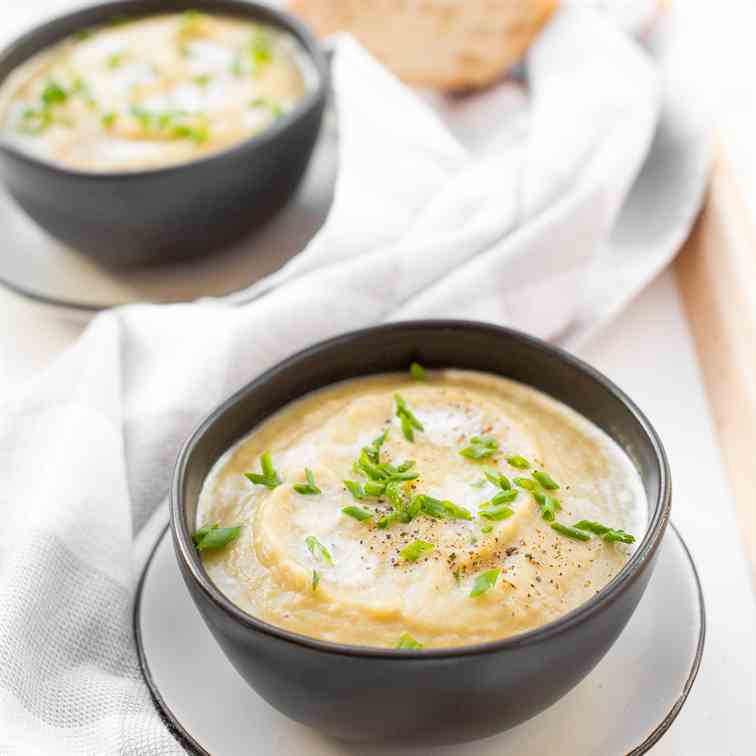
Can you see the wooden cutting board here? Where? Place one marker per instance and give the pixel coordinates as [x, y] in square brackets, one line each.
[717, 277]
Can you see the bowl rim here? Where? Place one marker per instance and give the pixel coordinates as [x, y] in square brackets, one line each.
[135, 9]
[192, 565]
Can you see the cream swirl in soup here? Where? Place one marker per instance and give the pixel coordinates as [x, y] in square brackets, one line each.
[152, 92]
[449, 509]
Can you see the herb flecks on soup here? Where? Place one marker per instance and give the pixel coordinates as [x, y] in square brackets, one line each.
[152, 92]
[421, 510]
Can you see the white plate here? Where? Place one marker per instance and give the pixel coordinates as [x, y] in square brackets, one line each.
[623, 707]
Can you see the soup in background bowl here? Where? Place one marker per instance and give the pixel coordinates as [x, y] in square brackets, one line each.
[153, 92]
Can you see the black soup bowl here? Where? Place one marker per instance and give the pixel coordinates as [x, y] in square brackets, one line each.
[128, 218]
[426, 696]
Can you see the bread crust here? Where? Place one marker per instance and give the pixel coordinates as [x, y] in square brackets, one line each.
[441, 44]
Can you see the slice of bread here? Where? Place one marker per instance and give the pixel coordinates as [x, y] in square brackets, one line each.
[444, 44]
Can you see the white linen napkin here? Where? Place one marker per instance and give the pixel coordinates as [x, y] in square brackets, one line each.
[517, 229]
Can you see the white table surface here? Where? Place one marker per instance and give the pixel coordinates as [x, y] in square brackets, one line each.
[648, 351]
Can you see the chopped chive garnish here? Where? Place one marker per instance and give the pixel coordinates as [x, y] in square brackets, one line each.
[497, 513]
[373, 452]
[315, 580]
[549, 505]
[189, 18]
[518, 462]
[545, 480]
[484, 582]
[592, 527]
[430, 506]
[395, 494]
[202, 80]
[413, 551]
[309, 488]
[612, 536]
[608, 534]
[270, 105]
[317, 550]
[269, 477]
[217, 538]
[355, 489]
[498, 479]
[417, 371]
[407, 641]
[407, 430]
[455, 512]
[357, 512]
[438, 509]
[480, 447]
[486, 529]
[108, 119]
[372, 488]
[413, 508]
[407, 419]
[114, 60]
[53, 94]
[504, 497]
[386, 520]
[575, 533]
[526, 483]
[266, 462]
[203, 531]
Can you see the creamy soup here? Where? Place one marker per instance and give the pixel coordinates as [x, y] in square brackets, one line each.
[152, 92]
[434, 509]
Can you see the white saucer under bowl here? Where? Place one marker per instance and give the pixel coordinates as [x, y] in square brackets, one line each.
[623, 707]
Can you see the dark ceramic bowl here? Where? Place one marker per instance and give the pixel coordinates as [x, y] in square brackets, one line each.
[158, 215]
[434, 695]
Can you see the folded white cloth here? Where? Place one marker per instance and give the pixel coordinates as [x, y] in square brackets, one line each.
[514, 227]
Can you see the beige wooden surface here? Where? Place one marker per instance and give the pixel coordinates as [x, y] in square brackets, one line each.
[717, 276]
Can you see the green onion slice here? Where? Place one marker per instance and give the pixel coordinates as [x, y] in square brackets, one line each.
[608, 534]
[526, 483]
[484, 582]
[317, 550]
[309, 488]
[357, 512]
[480, 447]
[549, 505]
[496, 513]
[574, 533]
[504, 497]
[518, 462]
[407, 641]
[413, 551]
[355, 489]
[417, 371]
[269, 477]
[217, 538]
[545, 480]
[407, 419]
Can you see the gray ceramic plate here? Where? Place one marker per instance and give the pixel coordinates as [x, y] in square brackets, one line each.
[623, 707]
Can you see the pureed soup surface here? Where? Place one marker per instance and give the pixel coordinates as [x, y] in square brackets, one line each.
[426, 518]
[152, 92]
